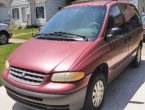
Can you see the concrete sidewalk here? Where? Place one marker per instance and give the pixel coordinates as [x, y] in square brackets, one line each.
[6, 103]
[127, 92]
[13, 40]
[17, 35]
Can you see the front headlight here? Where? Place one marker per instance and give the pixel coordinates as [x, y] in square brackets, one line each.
[7, 65]
[67, 76]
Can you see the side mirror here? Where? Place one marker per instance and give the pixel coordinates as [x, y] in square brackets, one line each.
[114, 32]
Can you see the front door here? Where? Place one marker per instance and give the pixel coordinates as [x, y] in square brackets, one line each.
[116, 39]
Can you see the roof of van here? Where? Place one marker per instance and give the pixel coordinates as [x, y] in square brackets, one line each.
[96, 3]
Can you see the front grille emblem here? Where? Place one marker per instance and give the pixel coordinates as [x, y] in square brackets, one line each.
[23, 74]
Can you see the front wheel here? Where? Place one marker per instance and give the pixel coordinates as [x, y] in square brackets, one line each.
[95, 93]
[3, 38]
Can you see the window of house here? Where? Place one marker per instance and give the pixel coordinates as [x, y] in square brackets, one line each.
[40, 12]
[15, 13]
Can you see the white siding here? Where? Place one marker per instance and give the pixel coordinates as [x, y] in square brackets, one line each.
[52, 7]
[4, 11]
[19, 2]
[40, 21]
[20, 20]
[33, 14]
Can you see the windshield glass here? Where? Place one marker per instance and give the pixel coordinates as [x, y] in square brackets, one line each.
[143, 19]
[86, 21]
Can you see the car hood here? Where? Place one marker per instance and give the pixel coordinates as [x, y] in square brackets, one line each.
[47, 56]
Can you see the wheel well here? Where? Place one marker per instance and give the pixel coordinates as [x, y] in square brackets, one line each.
[103, 69]
[3, 31]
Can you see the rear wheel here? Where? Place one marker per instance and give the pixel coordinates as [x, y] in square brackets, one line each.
[3, 38]
[95, 93]
[137, 60]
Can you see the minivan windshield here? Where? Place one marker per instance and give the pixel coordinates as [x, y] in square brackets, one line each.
[84, 22]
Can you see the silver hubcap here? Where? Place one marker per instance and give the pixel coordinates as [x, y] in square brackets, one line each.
[139, 55]
[3, 39]
[98, 93]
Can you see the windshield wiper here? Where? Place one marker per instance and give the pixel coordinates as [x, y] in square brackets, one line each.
[71, 34]
[40, 34]
[48, 36]
[64, 34]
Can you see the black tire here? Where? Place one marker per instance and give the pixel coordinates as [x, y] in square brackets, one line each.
[4, 39]
[89, 102]
[137, 59]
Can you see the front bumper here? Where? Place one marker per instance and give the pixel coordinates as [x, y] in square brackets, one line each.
[70, 101]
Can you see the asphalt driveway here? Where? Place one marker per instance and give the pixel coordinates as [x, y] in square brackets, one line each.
[127, 92]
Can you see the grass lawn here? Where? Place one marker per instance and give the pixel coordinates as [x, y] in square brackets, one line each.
[25, 37]
[21, 31]
[5, 51]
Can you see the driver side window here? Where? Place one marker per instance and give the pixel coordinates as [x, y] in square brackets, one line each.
[115, 20]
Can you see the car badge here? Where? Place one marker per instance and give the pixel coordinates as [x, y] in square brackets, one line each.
[23, 74]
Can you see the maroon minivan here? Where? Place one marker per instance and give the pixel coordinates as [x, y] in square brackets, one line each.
[68, 65]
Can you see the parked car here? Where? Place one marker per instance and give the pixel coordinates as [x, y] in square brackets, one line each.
[76, 54]
[143, 21]
[5, 33]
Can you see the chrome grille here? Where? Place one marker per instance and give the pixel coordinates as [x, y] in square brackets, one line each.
[25, 76]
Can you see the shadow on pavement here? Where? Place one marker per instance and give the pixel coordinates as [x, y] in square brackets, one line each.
[120, 91]
[124, 87]
[18, 106]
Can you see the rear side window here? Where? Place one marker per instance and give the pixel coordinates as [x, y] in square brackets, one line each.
[131, 17]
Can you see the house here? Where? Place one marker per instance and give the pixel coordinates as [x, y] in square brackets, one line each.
[34, 12]
[4, 11]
